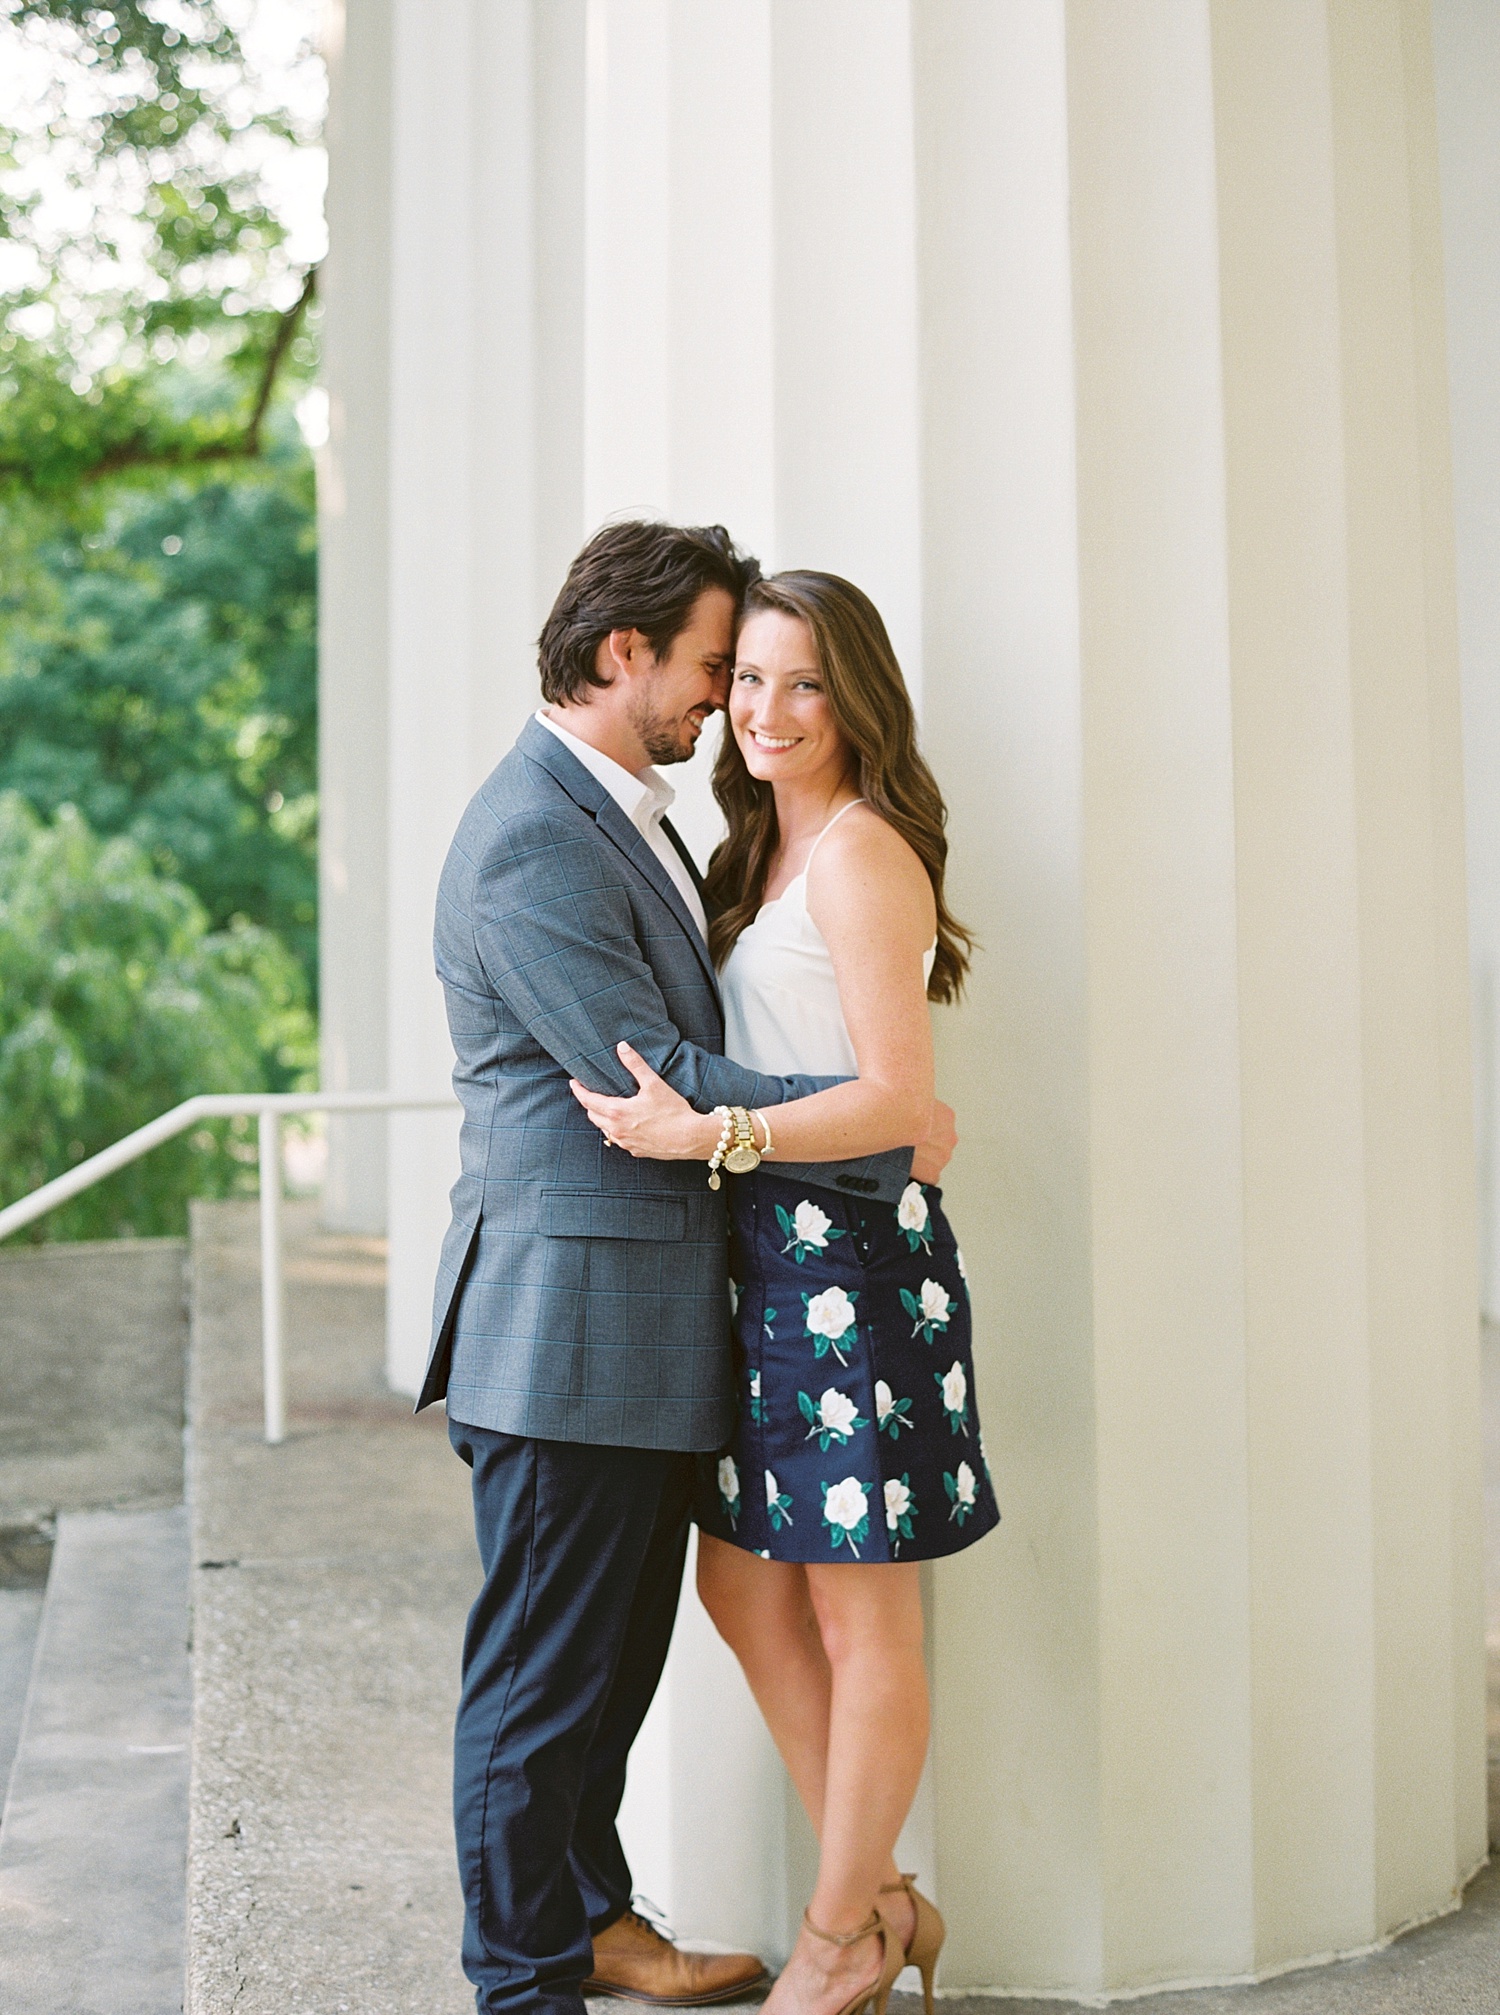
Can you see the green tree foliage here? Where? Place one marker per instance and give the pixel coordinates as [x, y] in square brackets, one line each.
[182, 256]
[169, 692]
[157, 606]
[116, 1002]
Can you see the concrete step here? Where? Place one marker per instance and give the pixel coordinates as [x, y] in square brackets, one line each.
[94, 1834]
[25, 1554]
[20, 1619]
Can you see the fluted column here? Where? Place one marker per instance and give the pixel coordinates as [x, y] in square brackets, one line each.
[1213, 842]
[1104, 346]
[353, 492]
[1466, 35]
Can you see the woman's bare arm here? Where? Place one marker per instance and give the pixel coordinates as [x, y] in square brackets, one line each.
[869, 895]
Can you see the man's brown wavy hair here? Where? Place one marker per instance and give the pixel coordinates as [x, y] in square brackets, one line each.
[872, 710]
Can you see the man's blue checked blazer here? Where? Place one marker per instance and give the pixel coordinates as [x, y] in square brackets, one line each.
[583, 1295]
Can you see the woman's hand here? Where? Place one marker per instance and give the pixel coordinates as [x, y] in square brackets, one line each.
[934, 1153]
[657, 1124]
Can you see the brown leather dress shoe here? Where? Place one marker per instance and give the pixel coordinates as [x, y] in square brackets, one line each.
[633, 1961]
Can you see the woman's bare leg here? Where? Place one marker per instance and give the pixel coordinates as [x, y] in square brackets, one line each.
[764, 1613]
[833, 1656]
[870, 1620]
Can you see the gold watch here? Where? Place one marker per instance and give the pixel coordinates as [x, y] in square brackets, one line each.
[743, 1155]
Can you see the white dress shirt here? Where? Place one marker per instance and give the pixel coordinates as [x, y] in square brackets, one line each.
[643, 799]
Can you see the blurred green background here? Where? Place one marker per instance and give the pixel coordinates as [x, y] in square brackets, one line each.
[159, 236]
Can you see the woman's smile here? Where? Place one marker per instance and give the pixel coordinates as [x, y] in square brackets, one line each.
[777, 683]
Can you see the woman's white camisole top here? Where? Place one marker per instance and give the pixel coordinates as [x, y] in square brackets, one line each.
[781, 1000]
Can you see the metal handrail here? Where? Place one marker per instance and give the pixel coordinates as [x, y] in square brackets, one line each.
[271, 1106]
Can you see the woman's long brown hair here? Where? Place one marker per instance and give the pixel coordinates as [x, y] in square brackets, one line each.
[872, 710]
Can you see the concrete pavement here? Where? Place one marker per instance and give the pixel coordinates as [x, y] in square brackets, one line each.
[333, 1576]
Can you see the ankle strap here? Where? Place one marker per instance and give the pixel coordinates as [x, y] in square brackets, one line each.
[866, 1930]
[901, 1882]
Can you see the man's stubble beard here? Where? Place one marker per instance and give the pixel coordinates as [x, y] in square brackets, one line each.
[660, 738]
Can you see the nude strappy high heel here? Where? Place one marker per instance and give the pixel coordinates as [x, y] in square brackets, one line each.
[893, 1958]
[926, 1939]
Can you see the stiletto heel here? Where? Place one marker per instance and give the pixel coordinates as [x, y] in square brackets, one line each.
[927, 1936]
[892, 1959]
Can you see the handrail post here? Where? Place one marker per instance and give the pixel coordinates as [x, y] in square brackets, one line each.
[272, 1294]
[222, 1105]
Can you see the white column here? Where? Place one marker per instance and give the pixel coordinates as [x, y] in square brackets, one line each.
[1104, 347]
[1467, 41]
[353, 491]
[1017, 1736]
[680, 421]
[1237, 1413]
[845, 303]
[484, 318]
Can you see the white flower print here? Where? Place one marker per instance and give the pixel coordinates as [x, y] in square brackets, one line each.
[846, 1513]
[778, 1504]
[914, 1218]
[931, 1310]
[900, 1510]
[963, 1271]
[846, 1503]
[734, 1299]
[806, 1229]
[829, 1313]
[935, 1303]
[832, 1418]
[811, 1224]
[955, 1390]
[912, 1212]
[963, 1492]
[837, 1412]
[729, 1487]
[891, 1414]
[830, 1317]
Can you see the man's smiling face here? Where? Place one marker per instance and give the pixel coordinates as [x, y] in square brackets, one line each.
[675, 695]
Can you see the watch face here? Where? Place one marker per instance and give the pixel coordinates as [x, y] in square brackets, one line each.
[740, 1160]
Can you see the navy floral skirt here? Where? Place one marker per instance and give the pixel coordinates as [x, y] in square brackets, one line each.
[858, 1435]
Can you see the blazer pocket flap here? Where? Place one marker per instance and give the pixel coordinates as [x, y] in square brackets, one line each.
[591, 1213]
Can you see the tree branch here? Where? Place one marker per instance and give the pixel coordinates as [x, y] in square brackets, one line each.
[286, 328]
[140, 451]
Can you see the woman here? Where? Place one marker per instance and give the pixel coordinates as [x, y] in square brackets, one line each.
[857, 1411]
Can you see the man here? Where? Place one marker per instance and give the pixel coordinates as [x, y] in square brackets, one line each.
[581, 1320]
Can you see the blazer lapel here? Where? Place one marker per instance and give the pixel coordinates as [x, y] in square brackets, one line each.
[535, 742]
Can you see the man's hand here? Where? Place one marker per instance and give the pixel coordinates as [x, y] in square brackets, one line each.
[935, 1151]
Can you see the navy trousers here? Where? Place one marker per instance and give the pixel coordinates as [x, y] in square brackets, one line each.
[582, 1549]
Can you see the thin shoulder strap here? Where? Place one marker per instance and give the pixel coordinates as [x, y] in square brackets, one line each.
[828, 829]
